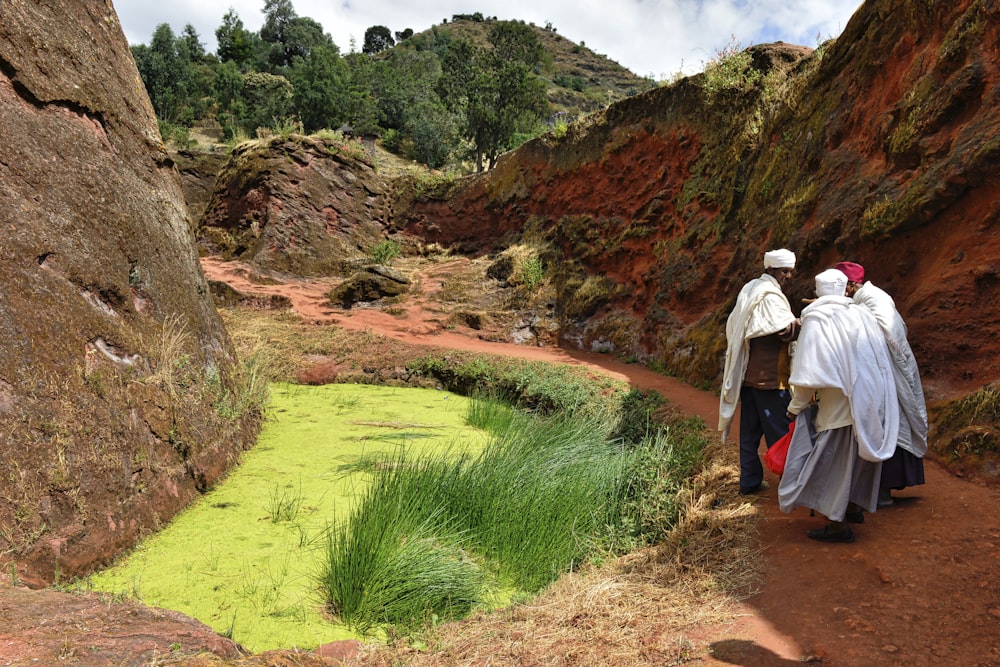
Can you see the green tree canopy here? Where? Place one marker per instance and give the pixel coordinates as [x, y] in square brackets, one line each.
[502, 95]
[172, 82]
[288, 36]
[322, 90]
[377, 39]
[235, 43]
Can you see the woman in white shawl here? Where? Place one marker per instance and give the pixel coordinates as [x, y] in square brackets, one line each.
[906, 467]
[846, 410]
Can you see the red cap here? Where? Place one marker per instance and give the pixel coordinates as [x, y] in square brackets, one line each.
[854, 272]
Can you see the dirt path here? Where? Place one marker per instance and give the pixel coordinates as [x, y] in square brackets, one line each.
[920, 586]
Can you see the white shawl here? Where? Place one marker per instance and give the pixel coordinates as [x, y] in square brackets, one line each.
[913, 425]
[761, 309]
[841, 346]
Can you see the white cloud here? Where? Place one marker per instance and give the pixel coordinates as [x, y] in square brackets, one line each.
[650, 37]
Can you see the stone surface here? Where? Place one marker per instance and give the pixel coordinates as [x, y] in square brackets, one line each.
[99, 272]
[296, 205]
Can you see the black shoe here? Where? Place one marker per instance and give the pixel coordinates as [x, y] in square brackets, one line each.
[831, 533]
[855, 517]
[763, 486]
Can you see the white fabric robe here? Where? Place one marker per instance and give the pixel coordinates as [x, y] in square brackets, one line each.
[761, 309]
[841, 346]
[913, 409]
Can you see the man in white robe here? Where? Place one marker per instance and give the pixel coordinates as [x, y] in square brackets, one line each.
[846, 410]
[756, 367]
[906, 467]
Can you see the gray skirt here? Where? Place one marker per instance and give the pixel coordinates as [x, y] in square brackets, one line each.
[824, 472]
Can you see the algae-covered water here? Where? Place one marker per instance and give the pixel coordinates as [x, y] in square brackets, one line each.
[245, 557]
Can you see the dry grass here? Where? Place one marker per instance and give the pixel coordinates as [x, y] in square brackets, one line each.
[640, 609]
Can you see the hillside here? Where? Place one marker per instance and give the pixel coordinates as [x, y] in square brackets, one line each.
[653, 212]
[578, 80]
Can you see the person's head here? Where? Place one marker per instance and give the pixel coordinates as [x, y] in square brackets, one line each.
[780, 264]
[831, 282]
[855, 275]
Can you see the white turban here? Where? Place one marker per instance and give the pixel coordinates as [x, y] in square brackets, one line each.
[831, 282]
[779, 259]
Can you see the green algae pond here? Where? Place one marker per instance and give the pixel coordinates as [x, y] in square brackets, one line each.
[246, 557]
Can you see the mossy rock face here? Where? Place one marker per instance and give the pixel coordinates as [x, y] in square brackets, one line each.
[370, 284]
[297, 205]
[113, 350]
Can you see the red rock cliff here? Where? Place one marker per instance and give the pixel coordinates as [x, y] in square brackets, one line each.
[881, 148]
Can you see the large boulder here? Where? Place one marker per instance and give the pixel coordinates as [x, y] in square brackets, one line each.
[305, 206]
[117, 381]
[370, 283]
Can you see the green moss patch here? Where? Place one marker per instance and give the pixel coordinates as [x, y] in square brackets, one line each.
[246, 557]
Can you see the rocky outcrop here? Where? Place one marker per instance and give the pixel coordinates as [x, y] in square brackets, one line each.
[882, 148]
[370, 283]
[198, 171]
[115, 360]
[306, 206]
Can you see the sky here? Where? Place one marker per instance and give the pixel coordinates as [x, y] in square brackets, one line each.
[652, 38]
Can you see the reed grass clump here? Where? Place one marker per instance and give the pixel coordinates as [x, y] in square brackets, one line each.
[545, 494]
[399, 559]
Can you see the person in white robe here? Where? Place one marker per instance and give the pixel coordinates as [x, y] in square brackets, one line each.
[906, 467]
[755, 374]
[845, 408]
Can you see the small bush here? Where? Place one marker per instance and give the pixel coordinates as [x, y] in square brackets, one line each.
[730, 69]
[532, 272]
[384, 251]
[176, 135]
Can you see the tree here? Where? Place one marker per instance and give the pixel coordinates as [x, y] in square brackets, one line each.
[516, 41]
[278, 16]
[195, 49]
[377, 39]
[497, 89]
[288, 36]
[434, 132]
[402, 81]
[458, 67]
[228, 90]
[364, 112]
[171, 81]
[321, 95]
[404, 35]
[235, 43]
[268, 99]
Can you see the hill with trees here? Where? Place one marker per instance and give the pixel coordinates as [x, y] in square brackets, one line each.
[460, 92]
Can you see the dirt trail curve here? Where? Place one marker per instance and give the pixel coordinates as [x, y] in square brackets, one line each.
[920, 586]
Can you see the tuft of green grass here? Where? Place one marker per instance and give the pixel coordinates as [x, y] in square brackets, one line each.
[979, 407]
[384, 251]
[284, 504]
[397, 559]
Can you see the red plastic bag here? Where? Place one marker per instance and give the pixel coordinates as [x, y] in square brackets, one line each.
[778, 452]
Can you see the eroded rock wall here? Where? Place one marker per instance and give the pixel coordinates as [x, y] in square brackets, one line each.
[306, 206]
[115, 362]
[882, 148]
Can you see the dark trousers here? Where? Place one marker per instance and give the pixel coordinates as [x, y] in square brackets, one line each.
[762, 413]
